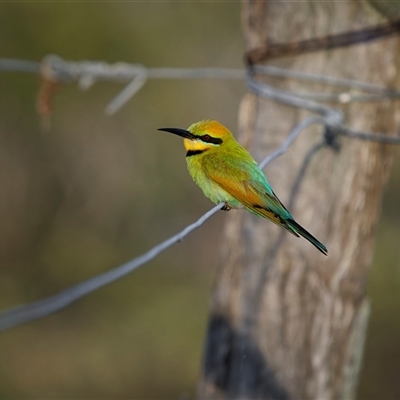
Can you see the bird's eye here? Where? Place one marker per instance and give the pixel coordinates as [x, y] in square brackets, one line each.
[209, 139]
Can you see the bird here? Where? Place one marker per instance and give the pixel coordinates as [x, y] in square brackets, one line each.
[227, 173]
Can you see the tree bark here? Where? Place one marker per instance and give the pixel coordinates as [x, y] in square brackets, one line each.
[287, 322]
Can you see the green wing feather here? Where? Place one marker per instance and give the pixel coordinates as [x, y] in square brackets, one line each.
[244, 180]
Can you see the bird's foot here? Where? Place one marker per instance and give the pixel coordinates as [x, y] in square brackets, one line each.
[226, 207]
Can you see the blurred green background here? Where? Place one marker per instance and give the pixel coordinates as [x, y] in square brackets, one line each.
[97, 191]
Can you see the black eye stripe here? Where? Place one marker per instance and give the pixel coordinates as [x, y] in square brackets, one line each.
[208, 139]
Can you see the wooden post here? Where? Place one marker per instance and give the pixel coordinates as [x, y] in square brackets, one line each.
[286, 321]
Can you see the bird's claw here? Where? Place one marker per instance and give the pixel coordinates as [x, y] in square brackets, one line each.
[226, 207]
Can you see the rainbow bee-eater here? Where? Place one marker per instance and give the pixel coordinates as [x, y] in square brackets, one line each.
[227, 173]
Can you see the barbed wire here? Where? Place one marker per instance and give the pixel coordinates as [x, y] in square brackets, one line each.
[256, 296]
[53, 68]
[332, 117]
[86, 73]
[344, 39]
[19, 315]
[38, 309]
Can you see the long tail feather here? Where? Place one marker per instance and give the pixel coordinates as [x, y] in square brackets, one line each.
[306, 235]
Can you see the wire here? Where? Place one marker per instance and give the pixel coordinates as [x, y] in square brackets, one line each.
[55, 69]
[39, 309]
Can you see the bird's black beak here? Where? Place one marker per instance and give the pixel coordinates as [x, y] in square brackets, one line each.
[180, 132]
